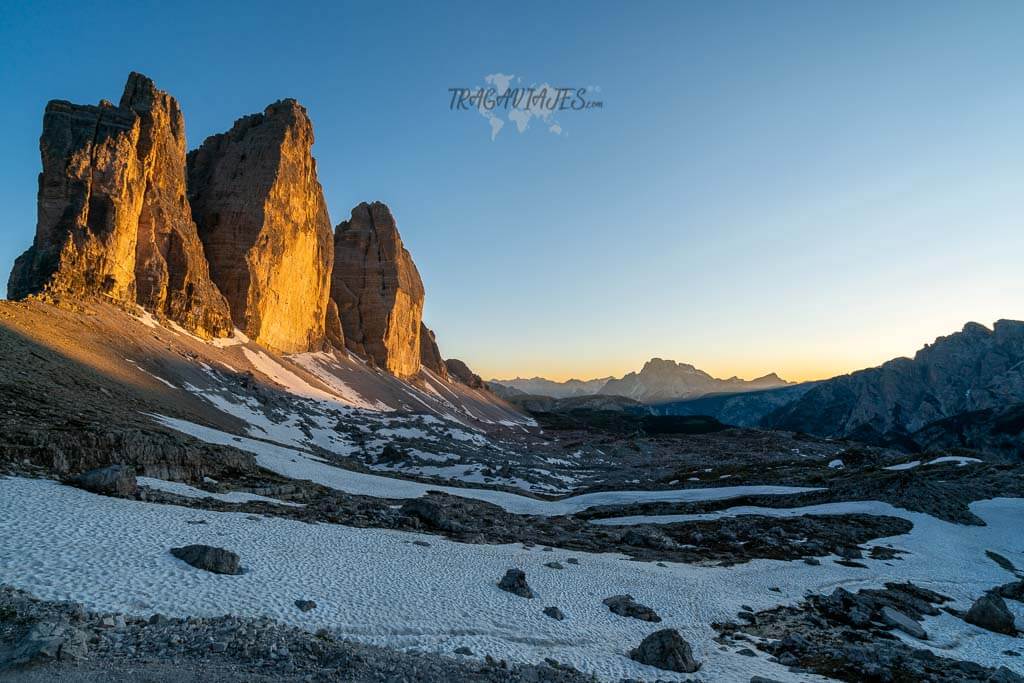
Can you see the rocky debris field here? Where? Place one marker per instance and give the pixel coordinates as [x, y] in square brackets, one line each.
[42, 641]
[862, 636]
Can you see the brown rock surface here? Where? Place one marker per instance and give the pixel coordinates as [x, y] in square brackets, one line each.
[378, 290]
[112, 213]
[264, 225]
[430, 355]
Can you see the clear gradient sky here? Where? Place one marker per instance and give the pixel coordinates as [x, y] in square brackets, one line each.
[800, 187]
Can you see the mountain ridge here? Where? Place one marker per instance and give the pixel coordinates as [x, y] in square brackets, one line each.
[658, 381]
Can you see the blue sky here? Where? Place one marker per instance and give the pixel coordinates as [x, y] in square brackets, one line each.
[800, 187]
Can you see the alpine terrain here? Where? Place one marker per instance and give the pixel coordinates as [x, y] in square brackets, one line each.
[231, 449]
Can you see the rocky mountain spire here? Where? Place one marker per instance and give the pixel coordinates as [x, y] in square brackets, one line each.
[112, 214]
[264, 226]
[378, 290]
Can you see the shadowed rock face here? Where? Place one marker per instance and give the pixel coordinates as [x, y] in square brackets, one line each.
[378, 290]
[460, 372]
[975, 369]
[113, 218]
[430, 355]
[264, 226]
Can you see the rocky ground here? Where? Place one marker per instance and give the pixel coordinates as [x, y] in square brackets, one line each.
[853, 637]
[47, 641]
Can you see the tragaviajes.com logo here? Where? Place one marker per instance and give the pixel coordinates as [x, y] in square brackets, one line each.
[505, 99]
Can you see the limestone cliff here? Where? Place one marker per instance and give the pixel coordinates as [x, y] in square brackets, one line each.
[112, 214]
[264, 226]
[430, 355]
[378, 290]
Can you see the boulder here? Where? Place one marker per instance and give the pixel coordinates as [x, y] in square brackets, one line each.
[514, 582]
[305, 605]
[666, 650]
[626, 606]
[430, 512]
[264, 226]
[113, 219]
[378, 291]
[990, 613]
[209, 558]
[113, 480]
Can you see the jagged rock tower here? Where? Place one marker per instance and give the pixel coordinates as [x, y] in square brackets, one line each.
[264, 225]
[377, 290]
[113, 218]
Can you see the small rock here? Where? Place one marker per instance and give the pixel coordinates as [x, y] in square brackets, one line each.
[463, 650]
[514, 582]
[305, 605]
[990, 613]
[573, 560]
[218, 647]
[210, 558]
[901, 621]
[813, 561]
[626, 606]
[746, 652]
[666, 650]
[554, 565]
[422, 543]
[554, 613]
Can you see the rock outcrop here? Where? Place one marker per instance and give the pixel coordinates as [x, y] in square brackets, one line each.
[430, 355]
[377, 290]
[264, 226]
[113, 218]
[460, 372]
[972, 370]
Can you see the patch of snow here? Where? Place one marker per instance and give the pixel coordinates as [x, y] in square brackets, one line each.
[903, 466]
[960, 460]
[285, 377]
[320, 364]
[237, 337]
[112, 554]
[296, 464]
[836, 465]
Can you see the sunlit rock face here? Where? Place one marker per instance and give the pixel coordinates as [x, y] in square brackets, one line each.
[113, 218]
[430, 355]
[378, 290]
[264, 226]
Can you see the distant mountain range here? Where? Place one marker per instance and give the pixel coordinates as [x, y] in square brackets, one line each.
[657, 382]
[975, 371]
[964, 390]
[539, 386]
